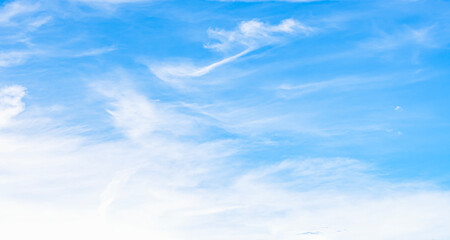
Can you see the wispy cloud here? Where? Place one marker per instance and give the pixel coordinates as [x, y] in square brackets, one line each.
[38, 22]
[138, 116]
[254, 34]
[14, 9]
[249, 36]
[23, 15]
[14, 58]
[18, 19]
[10, 103]
[181, 188]
[112, 190]
[408, 37]
[173, 74]
[338, 84]
[221, 162]
[96, 51]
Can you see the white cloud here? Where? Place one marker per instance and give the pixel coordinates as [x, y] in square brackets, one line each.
[408, 37]
[138, 117]
[166, 186]
[96, 51]
[19, 18]
[23, 15]
[15, 9]
[345, 83]
[398, 109]
[255, 34]
[11, 103]
[172, 73]
[249, 36]
[339, 83]
[40, 21]
[13, 58]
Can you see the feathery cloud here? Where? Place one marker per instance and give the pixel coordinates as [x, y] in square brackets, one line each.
[254, 34]
[137, 116]
[14, 9]
[14, 58]
[249, 36]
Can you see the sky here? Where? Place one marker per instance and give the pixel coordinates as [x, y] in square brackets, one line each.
[219, 120]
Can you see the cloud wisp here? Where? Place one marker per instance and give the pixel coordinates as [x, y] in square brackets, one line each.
[254, 34]
[96, 51]
[15, 9]
[14, 58]
[247, 37]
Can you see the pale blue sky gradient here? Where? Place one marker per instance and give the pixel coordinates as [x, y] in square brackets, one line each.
[111, 108]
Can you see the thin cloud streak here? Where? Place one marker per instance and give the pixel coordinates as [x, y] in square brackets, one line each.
[96, 51]
[15, 9]
[14, 58]
[249, 36]
[171, 74]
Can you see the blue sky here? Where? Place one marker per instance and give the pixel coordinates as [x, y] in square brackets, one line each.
[254, 119]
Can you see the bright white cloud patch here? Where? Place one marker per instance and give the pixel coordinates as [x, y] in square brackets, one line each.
[255, 34]
[11, 103]
[169, 187]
